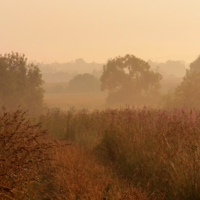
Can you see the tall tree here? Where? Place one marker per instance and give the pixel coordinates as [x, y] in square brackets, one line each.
[20, 83]
[188, 92]
[195, 66]
[129, 79]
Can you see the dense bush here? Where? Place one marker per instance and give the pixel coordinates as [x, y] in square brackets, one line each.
[24, 156]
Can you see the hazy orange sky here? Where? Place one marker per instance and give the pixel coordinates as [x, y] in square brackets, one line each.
[96, 30]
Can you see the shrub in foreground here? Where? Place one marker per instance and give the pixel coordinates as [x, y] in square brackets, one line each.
[24, 155]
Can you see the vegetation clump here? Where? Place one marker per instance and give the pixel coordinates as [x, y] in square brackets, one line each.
[24, 156]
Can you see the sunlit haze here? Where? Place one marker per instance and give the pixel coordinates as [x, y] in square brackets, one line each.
[96, 30]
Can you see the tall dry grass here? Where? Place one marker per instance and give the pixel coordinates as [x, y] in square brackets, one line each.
[34, 166]
[79, 175]
[126, 153]
[156, 149]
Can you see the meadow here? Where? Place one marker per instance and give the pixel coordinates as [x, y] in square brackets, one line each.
[124, 153]
[66, 101]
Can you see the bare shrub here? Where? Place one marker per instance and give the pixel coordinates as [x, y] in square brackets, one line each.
[24, 156]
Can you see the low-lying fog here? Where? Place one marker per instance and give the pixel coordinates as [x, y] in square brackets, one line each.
[62, 73]
[65, 87]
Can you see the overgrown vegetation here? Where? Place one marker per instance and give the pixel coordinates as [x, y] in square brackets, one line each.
[157, 150]
[35, 166]
[126, 153]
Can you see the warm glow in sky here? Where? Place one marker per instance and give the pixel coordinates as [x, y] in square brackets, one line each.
[96, 30]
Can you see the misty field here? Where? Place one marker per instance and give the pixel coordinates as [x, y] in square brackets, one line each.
[65, 101]
[127, 153]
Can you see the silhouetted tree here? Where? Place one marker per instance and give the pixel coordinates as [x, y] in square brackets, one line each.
[195, 66]
[84, 83]
[188, 92]
[20, 83]
[129, 80]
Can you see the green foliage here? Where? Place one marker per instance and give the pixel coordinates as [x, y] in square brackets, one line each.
[129, 79]
[84, 83]
[20, 83]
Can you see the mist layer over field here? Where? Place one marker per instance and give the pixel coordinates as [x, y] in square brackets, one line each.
[84, 93]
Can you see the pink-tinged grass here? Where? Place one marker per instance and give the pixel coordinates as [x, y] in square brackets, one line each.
[158, 148]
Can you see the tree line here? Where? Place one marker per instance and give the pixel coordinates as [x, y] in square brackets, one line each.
[128, 80]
